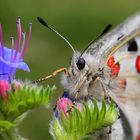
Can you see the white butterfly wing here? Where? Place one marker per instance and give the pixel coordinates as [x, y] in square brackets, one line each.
[116, 43]
[128, 99]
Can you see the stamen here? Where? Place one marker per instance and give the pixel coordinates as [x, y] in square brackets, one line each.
[27, 42]
[12, 38]
[23, 43]
[1, 41]
[19, 37]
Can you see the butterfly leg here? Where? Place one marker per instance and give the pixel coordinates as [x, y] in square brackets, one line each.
[107, 97]
[65, 70]
[78, 86]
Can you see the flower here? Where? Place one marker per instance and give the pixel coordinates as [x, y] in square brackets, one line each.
[16, 85]
[12, 59]
[4, 87]
[64, 104]
[84, 119]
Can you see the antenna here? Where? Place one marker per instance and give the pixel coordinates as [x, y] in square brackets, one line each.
[106, 29]
[43, 22]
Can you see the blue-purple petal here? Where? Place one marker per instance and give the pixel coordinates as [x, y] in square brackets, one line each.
[21, 65]
[17, 65]
[8, 67]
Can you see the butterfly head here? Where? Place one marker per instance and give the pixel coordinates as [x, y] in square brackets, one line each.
[82, 74]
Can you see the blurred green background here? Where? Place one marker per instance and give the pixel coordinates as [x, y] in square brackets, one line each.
[78, 20]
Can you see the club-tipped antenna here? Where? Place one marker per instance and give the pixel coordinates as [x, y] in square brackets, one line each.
[106, 29]
[43, 22]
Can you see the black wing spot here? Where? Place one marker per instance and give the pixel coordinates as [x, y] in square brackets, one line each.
[132, 46]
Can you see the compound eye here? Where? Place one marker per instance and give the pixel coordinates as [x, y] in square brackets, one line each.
[81, 63]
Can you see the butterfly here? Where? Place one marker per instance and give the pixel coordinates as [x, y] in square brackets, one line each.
[110, 67]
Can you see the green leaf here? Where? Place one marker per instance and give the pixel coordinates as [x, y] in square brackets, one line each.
[81, 123]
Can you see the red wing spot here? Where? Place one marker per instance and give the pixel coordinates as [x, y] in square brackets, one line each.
[110, 61]
[138, 137]
[122, 83]
[138, 64]
[115, 69]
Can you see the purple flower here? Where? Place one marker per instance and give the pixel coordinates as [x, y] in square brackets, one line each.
[12, 59]
[63, 104]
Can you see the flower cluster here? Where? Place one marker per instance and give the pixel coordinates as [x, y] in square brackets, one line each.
[63, 105]
[12, 58]
[75, 120]
[17, 97]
